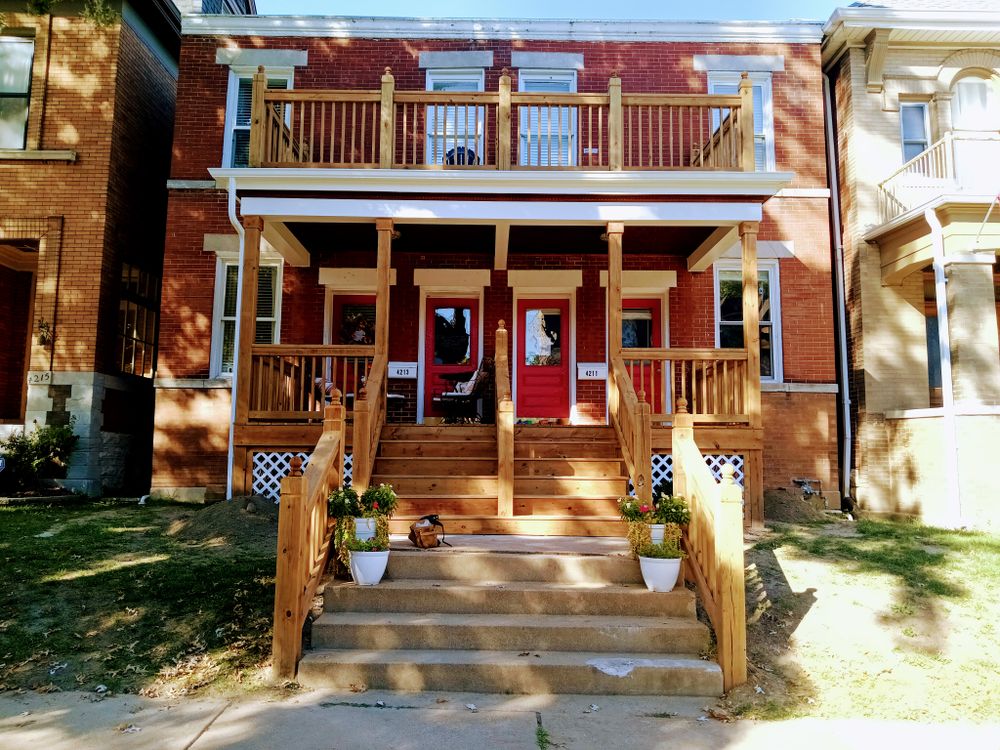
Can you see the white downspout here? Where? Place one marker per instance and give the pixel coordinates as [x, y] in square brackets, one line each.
[234, 220]
[847, 440]
[952, 488]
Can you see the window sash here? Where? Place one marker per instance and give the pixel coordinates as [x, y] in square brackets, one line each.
[763, 120]
[268, 307]
[547, 134]
[729, 331]
[454, 130]
[239, 115]
[914, 141]
[16, 62]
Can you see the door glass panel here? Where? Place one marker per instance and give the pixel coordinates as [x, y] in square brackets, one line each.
[357, 323]
[637, 328]
[452, 335]
[542, 337]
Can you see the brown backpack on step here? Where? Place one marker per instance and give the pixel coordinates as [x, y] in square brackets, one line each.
[428, 532]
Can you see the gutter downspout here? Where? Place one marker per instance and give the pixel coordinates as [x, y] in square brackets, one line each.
[947, 383]
[846, 432]
[234, 220]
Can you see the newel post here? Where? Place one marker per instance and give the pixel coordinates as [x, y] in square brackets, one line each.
[732, 636]
[616, 132]
[505, 429]
[643, 457]
[746, 122]
[681, 433]
[387, 121]
[503, 122]
[286, 641]
[256, 156]
[334, 421]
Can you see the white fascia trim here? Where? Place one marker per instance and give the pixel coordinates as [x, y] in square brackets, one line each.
[543, 182]
[359, 27]
[913, 20]
[491, 212]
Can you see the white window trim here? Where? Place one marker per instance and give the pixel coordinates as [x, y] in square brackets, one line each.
[550, 74]
[224, 259]
[236, 72]
[927, 127]
[474, 75]
[763, 79]
[773, 268]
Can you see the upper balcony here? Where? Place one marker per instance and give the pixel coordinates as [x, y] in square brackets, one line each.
[962, 163]
[500, 130]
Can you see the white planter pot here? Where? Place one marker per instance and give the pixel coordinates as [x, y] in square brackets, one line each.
[367, 568]
[656, 531]
[364, 529]
[660, 574]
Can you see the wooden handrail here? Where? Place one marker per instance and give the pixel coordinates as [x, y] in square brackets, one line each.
[713, 541]
[677, 353]
[369, 418]
[505, 425]
[503, 129]
[631, 417]
[304, 539]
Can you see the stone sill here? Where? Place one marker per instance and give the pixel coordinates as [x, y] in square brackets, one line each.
[196, 383]
[969, 410]
[14, 154]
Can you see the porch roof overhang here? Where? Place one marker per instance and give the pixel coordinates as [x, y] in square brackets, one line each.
[905, 243]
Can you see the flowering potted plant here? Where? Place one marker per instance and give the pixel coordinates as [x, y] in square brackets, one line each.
[661, 563]
[368, 560]
[638, 516]
[668, 510]
[375, 507]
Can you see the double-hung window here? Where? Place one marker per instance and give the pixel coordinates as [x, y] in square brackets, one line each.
[728, 82]
[914, 129]
[455, 131]
[268, 311]
[236, 148]
[547, 134]
[729, 313]
[16, 54]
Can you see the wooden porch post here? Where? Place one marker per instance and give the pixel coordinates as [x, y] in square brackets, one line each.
[503, 122]
[384, 228]
[754, 469]
[387, 126]
[252, 228]
[257, 111]
[747, 158]
[616, 130]
[615, 231]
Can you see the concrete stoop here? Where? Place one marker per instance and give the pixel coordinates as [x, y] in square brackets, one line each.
[510, 623]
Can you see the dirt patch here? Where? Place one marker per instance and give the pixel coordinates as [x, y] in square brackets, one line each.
[791, 507]
[231, 523]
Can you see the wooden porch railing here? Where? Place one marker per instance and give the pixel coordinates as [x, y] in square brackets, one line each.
[505, 425]
[369, 417]
[500, 129]
[712, 382]
[714, 544]
[292, 383]
[304, 539]
[630, 416]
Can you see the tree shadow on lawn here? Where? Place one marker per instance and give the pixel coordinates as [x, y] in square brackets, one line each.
[109, 598]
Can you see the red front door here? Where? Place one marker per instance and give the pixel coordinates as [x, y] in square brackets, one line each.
[451, 346]
[543, 354]
[642, 327]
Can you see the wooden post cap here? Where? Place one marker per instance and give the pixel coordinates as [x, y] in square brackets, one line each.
[728, 474]
[505, 72]
[682, 406]
[335, 397]
[500, 325]
[296, 470]
[260, 68]
[642, 396]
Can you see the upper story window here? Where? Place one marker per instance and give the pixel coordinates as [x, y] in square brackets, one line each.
[138, 309]
[975, 104]
[728, 82]
[547, 134]
[236, 147]
[914, 129]
[15, 85]
[455, 133]
[729, 313]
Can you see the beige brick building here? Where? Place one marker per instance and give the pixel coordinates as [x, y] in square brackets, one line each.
[917, 109]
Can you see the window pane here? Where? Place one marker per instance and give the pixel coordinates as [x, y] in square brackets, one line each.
[264, 332]
[731, 336]
[229, 300]
[637, 328]
[764, 292]
[357, 324]
[13, 122]
[542, 338]
[730, 296]
[766, 353]
[241, 148]
[444, 84]
[913, 122]
[228, 342]
[266, 291]
[15, 65]
[913, 150]
[452, 335]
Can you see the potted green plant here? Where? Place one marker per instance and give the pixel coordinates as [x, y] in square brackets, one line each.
[368, 560]
[377, 502]
[343, 506]
[668, 509]
[661, 563]
[637, 515]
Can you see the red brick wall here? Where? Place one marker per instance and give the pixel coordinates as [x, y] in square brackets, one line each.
[800, 439]
[15, 298]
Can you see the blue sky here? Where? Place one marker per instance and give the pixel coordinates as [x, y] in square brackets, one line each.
[576, 9]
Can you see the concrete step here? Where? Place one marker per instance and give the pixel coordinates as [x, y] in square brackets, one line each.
[437, 448]
[457, 465]
[549, 672]
[475, 567]
[613, 634]
[510, 598]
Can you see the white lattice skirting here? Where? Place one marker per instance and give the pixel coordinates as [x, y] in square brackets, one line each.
[663, 468]
[269, 468]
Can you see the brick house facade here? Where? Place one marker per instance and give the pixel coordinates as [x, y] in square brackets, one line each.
[315, 262]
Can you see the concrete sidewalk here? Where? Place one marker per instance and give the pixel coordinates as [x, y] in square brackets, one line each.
[345, 721]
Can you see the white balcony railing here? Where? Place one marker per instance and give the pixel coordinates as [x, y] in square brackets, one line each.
[966, 162]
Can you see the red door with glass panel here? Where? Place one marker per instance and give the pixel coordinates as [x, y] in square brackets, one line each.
[451, 347]
[353, 324]
[642, 326]
[543, 358]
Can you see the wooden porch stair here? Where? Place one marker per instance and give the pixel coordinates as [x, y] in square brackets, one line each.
[566, 479]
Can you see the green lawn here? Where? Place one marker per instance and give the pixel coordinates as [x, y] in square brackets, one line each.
[98, 592]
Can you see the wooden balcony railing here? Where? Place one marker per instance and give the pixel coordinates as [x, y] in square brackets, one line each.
[501, 129]
[712, 382]
[713, 541]
[505, 425]
[293, 383]
[304, 538]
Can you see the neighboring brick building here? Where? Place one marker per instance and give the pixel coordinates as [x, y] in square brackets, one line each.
[917, 96]
[506, 241]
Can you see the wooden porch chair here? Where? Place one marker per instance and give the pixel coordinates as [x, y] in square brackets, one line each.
[462, 404]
